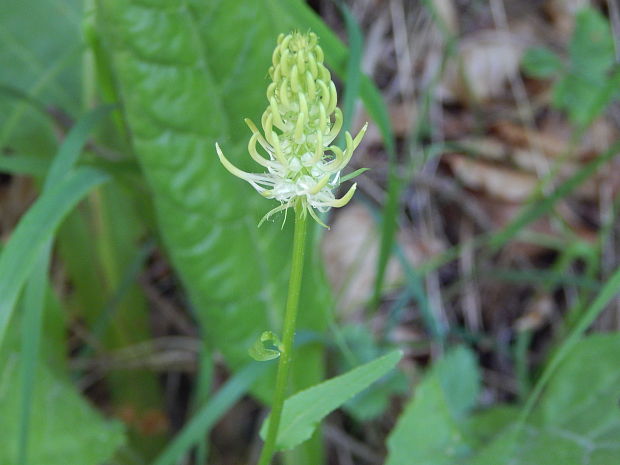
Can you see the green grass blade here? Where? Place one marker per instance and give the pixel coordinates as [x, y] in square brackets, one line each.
[35, 228]
[33, 303]
[207, 416]
[34, 299]
[71, 148]
[415, 287]
[389, 225]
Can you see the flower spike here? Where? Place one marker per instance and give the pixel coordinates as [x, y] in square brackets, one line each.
[298, 126]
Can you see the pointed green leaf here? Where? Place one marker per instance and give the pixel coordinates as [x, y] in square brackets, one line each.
[304, 410]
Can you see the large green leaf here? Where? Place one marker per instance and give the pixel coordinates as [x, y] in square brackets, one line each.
[64, 429]
[303, 411]
[41, 56]
[36, 46]
[578, 418]
[429, 430]
[576, 422]
[188, 76]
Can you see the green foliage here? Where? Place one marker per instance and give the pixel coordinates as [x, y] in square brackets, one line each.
[32, 323]
[63, 188]
[180, 92]
[577, 421]
[585, 76]
[429, 431]
[186, 78]
[303, 411]
[591, 47]
[33, 232]
[41, 58]
[36, 286]
[64, 428]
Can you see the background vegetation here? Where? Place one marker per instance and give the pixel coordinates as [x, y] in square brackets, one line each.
[483, 241]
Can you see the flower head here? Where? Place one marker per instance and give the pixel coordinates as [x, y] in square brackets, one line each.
[299, 126]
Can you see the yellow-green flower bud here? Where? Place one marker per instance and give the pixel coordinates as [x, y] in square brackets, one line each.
[299, 124]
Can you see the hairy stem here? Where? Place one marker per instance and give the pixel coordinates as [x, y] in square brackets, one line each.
[285, 362]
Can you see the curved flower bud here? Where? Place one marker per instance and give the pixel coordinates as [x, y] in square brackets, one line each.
[298, 126]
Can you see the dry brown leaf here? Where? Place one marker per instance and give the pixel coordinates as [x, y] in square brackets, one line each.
[537, 151]
[553, 141]
[484, 64]
[535, 162]
[486, 147]
[350, 251]
[499, 182]
[490, 148]
[546, 142]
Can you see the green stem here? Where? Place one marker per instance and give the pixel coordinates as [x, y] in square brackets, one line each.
[285, 362]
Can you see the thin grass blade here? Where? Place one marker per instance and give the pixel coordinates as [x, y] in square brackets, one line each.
[34, 230]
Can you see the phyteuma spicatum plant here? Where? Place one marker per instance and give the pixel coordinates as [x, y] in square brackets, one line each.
[302, 171]
[299, 126]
